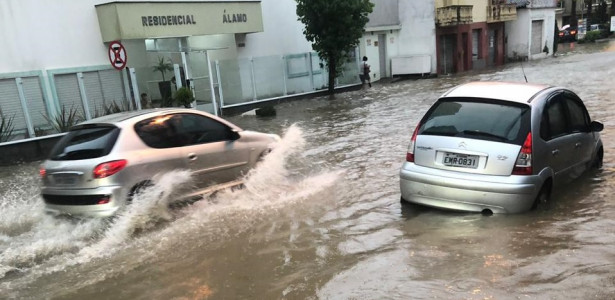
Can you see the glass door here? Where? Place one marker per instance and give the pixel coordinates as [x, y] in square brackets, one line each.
[198, 75]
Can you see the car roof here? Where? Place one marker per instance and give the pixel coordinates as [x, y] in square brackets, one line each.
[129, 117]
[510, 91]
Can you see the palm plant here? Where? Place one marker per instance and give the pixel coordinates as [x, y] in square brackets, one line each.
[164, 86]
[163, 67]
[64, 119]
[6, 127]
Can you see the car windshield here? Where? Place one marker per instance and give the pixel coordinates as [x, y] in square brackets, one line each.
[85, 143]
[478, 119]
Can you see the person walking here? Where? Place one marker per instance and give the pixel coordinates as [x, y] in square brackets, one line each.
[365, 72]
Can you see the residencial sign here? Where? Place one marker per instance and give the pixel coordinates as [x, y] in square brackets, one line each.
[143, 20]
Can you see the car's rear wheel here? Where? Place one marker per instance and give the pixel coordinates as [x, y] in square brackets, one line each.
[138, 188]
[598, 160]
[543, 199]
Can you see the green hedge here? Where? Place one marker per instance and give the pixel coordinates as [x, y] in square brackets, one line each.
[592, 36]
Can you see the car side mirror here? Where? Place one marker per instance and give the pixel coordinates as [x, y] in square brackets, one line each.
[596, 126]
[234, 135]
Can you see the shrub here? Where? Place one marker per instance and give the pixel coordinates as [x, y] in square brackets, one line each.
[184, 96]
[592, 36]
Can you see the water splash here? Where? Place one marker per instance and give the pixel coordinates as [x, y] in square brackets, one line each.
[46, 245]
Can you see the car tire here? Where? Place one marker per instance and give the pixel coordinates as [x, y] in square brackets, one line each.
[543, 199]
[138, 188]
[598, 160]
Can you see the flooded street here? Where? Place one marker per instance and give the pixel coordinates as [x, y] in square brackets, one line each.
[320, 218]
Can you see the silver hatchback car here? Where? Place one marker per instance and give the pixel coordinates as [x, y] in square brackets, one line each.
[99, 164]
[499, 147]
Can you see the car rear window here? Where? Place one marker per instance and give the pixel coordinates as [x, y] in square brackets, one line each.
[85, 143]
[491, 120]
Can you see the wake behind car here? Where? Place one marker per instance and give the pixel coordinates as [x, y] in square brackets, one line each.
[99, 164]
[499, 147]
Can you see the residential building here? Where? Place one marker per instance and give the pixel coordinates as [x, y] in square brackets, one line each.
[399, 38]
[470, 33]
[531, 35]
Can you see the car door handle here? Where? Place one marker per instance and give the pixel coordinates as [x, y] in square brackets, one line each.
[577, 145]
[192, 156]
[555, 152]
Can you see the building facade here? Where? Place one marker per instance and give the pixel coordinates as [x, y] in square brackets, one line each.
[532, 35]
[87, 56]
[470, 34]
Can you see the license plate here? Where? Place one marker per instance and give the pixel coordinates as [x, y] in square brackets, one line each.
[460, 160]
[65, 179]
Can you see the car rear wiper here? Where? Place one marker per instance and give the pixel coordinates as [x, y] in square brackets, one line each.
[485, 134]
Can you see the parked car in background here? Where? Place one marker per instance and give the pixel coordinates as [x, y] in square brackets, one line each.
[499, 147]
[567, 34]
[603, 29]
[100, 164]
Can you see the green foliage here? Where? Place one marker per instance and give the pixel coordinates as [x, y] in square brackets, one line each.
[6, 127]
[64, 119]
[163, 67]
[592, 36]
[111, 108]
[334, 27]
[184, 96]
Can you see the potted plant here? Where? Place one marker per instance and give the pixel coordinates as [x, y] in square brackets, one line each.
[164, 86]
[184, 97]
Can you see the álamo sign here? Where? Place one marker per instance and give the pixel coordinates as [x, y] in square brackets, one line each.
[234, 18]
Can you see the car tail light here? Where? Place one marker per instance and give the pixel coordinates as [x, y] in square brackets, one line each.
[573, 32]
[523, 166]
[410, 154]
[561, 34]
[42, 172]
[109, 168]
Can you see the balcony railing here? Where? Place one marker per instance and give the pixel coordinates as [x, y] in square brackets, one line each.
[454, 15]
[501, 13]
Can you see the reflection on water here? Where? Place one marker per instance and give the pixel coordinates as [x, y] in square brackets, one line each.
[322, 218]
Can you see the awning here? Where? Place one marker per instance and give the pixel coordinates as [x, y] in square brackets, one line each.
[144, 20]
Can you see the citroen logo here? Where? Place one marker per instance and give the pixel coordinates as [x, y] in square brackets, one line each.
[462, 145]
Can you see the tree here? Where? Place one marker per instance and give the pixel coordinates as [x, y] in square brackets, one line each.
[334, 27]
[590, 14]
[573, 15]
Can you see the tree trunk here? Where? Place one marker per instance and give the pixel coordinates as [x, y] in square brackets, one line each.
[332, 64]
[590, 19]
[573, 15]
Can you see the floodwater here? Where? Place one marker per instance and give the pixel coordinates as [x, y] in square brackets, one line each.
[320, 218]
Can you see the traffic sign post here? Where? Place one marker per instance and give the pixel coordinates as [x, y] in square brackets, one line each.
[117, 55]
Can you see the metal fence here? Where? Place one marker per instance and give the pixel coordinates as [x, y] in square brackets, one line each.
[258, 79]
[32, 100]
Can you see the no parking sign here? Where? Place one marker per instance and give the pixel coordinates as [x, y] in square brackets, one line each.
[117, 55]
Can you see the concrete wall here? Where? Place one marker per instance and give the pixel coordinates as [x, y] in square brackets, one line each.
[418, 30]
[283, 33]
[49, 35]
[518, 35]
[385, 12]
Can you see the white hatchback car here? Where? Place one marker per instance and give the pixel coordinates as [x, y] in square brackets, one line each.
[99, 164]
[499, 147]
